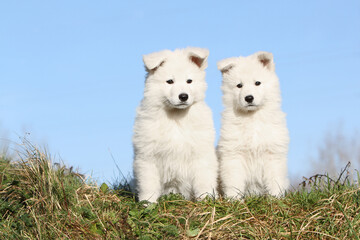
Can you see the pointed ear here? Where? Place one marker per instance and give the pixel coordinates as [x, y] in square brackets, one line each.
[154, 60]
[266, 59]
[198, 56]
[226, 64]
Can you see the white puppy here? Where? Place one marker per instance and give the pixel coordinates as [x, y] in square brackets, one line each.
[173, 133]
[254, 138]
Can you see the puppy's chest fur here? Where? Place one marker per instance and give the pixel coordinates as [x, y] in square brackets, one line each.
[177, 141]
[255, 136]
[178, 147]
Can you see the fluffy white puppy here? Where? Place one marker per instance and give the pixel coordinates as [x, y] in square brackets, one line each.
[254, 138]
[173, 133]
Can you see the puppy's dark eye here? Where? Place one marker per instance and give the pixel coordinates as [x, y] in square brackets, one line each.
[239, 85]
[257, 83]
[189, 81]
[170, 81]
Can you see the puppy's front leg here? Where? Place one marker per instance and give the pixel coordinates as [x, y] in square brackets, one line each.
[233, 175]
[205, 176]
[275, 172]
[147, 178]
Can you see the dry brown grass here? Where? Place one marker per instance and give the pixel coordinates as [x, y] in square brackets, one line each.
[43, 200]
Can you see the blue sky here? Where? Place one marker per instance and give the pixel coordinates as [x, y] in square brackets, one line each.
[71, 72]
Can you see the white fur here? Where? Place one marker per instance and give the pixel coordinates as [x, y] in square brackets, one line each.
[254, 138]
[173, 140]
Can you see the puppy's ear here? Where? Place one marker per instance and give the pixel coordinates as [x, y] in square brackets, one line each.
[226, 64]
[198, 56]
[154, 60]
[266, 59]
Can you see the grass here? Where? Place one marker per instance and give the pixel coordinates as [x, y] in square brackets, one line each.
[43, 200]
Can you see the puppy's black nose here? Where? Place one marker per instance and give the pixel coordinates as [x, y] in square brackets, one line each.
[183, 97]
[249, 98]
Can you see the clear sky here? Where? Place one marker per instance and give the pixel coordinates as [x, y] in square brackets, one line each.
[71, 72]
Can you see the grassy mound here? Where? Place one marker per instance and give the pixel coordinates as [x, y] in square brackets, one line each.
[43, 200]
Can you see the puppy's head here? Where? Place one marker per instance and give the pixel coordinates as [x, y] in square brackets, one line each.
[176, 79]
[249, 82]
